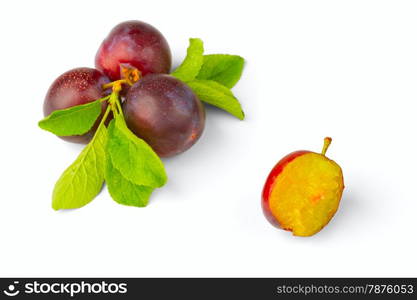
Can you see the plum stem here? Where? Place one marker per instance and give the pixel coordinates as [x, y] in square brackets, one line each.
[114, 97]
[117, 83]
[113, 100]
[104, 99]
[106, 114]
[326, 144]
[119, 107]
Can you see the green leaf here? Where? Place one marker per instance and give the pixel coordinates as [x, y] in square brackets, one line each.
[192, 63]
[124, 191]
[83, 180]
[218, 95]
[223, 68]
[75, 120]
[133, 157]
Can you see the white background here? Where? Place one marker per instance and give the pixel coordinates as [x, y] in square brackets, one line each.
[345, 69]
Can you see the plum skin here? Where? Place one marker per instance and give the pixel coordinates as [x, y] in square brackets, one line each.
[75, 87]
[164, 112]
[136, 44]
[273, 175]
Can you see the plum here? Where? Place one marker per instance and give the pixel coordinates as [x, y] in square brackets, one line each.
[164, 112]
[133, 44]
[75, 87]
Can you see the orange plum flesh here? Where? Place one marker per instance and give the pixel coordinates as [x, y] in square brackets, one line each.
[303, 191]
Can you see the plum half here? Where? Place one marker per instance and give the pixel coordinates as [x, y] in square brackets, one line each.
[303, 191]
